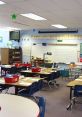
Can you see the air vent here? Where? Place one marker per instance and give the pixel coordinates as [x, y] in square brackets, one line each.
[59, 31]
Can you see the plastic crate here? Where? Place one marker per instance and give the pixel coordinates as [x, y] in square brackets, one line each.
[11, 79]
[36, 69]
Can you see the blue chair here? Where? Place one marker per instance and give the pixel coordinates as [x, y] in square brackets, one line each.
[28, 92]
[13, 70]
[76, 94]
[78, 91]
[40, 85]
[41, 103]
[51, 79]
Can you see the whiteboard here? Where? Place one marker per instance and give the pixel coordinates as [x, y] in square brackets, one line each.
[65, 54]
[60, 53]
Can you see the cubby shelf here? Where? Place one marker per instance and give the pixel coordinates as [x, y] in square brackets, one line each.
[11, 56]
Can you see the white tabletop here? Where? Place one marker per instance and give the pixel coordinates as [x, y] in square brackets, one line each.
[17, 106]
[78, 63]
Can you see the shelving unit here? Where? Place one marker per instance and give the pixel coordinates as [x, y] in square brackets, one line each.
[37, 62]
[10, 56]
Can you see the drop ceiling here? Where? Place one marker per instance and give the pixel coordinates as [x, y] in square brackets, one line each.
[64, 12]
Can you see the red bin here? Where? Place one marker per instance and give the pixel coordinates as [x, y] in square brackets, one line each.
[11, 79]
[36, 69]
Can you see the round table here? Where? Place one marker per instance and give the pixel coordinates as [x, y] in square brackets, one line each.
[17, 106]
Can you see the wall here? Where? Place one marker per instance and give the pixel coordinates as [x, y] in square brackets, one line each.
[5, 42]
[65, 51]
[4, 38]
[61, 52]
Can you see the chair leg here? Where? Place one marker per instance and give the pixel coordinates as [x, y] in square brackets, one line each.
[56, 83]
[51, 83]
[72, 102]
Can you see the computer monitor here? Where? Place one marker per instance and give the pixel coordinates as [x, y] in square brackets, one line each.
[15, 35]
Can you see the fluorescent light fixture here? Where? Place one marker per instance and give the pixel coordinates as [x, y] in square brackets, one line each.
[2, 2]
[59, 26]
[8, 28]
[11, 28]
[33, 16]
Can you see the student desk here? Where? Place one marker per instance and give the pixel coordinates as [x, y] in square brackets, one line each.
[44, 72]
[71, 84]
[22, 83]
[17, 106]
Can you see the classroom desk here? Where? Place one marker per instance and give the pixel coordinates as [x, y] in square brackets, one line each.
[71, 84]
[17, 106]
[22, 83]
[44, 72]
[30, 72]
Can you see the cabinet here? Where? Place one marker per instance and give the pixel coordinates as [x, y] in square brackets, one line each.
[10, 56]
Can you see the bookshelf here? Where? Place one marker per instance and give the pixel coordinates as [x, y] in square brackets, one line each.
[11, 56]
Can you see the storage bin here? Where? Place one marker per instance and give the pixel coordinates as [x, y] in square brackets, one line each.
[11, 79]
[36, 69]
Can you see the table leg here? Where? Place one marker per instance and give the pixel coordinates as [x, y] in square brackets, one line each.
[16, 90]
[71, 91]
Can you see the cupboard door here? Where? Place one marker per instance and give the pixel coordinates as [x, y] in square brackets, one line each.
[4, 55]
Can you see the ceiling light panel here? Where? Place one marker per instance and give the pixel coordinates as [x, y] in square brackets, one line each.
[33, 16]
[1, 3]
[59, 26]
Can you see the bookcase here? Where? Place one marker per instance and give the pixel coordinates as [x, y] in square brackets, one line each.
[11, 56]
